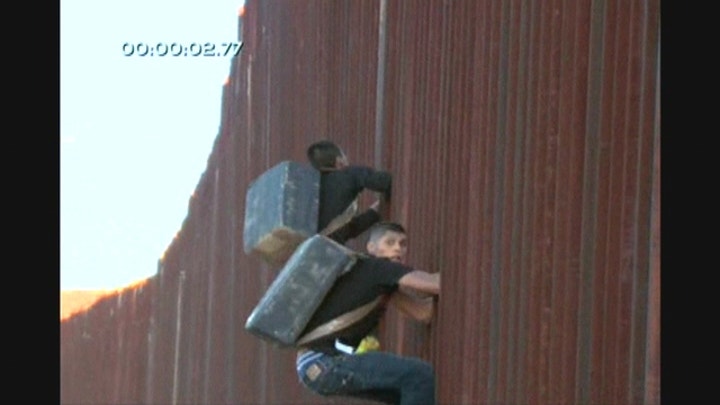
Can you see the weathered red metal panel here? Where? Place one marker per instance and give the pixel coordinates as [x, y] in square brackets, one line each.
[96, 367]
[524, 142]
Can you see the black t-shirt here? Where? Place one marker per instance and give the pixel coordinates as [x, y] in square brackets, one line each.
[370, 278]
[357, 225]
[339, 188]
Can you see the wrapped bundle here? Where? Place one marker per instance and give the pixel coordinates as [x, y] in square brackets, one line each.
[281, 211]
[299, 289]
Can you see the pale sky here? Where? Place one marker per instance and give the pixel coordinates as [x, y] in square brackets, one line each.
[135, 132]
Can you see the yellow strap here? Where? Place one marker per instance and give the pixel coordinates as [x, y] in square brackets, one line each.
[369, 344]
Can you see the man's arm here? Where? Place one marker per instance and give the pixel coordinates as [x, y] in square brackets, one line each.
[420, 309]
[381, 181]
[375, 180]
[357, 225]
[421, 283]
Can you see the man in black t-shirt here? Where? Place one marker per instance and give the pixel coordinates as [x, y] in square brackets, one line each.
[340, 185]
[331, 365]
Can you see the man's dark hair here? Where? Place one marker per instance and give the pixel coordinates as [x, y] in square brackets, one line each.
[323, 154]
[378, 230]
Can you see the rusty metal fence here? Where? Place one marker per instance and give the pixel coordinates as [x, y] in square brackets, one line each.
[524, 141]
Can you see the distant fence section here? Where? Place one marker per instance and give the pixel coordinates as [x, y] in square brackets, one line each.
[524, 141]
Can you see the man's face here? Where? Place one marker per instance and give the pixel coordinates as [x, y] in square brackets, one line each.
[392, 245]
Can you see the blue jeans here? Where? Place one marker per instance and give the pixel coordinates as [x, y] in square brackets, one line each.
[379, 376]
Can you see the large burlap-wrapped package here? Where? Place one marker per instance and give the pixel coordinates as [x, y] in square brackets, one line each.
[281, 211]
[298, 290]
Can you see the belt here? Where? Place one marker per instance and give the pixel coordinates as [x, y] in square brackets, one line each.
[342, 347]
[339, 346]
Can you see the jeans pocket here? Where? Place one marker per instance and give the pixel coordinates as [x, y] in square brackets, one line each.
[311, 372]
[327, 376]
